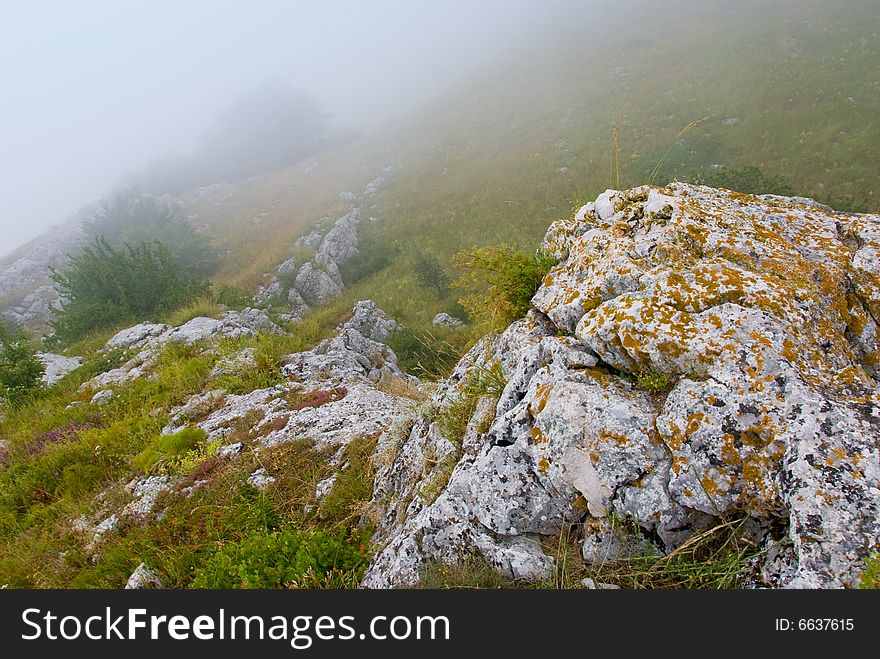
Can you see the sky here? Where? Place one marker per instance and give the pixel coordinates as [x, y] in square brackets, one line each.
[93, 89]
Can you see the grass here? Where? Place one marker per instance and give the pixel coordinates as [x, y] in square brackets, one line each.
[717, 558]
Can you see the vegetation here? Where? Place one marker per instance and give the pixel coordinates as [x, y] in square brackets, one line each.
[129, 219]
[499, 282]
[162, 451]
[104, 287]
[457, 413]
[264, 129]
[871, 575]
[284, 559]
[429, 273]
[21, 371]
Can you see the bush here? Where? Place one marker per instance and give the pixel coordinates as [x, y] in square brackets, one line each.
[429, 273]
[499, 282]
[165, 450]
[104, 287]
[282, 559]
[132, 219]
[21, 372]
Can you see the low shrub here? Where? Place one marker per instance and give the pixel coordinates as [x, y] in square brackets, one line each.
[499, 282]
[282, 559]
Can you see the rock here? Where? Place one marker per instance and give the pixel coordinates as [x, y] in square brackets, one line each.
[349, 197]
[195, 409]
[260, 479]
[323, 488]
[317, 285]
[25, 276]
[143, 578]
[298, 306]
[311, 240]
[102, 397]
[195, 330]
[341, 241]
[242, 362]
[266, 293]
[592, 584]
[145, 492]
[57, 366]
[331, 395]
[247, 322]
[230, 450]
[136, 337]
[443, 319]
[753, 318]
[370, 321]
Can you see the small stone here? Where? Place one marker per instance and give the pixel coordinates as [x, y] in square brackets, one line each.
[143, 578]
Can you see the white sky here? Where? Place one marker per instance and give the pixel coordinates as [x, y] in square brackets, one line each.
[91, 89]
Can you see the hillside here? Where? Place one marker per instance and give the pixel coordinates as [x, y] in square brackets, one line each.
[686, 397]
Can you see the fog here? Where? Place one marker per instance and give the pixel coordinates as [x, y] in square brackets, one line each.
[92, 90]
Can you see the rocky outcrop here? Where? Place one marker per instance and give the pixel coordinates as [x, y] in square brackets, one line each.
[144, 341]
[143, 578]
[34, 309]
[33, 265]
[57, 366]
[696, 355]
[333, 393]
[319, 280]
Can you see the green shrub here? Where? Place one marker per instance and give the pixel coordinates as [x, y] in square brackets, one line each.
[429, 273]
[653, 382]
[164, 450]
[499, 282]
[105, 286]
[282, 559]
[131, 219]
[20, 371]
[457, 413]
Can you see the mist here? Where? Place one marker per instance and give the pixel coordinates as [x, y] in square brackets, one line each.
[93, 90]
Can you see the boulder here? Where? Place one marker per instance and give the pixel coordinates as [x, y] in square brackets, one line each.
[697, 354]
[143, 578]
[443, 319]
[57, 366]
[317, 285]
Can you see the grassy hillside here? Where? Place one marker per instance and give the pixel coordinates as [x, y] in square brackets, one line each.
[789, 88]
[788, 94]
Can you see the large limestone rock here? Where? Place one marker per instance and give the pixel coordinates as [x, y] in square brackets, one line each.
[341, 241]
[756, 313]
[334, 392]
[57, 366]
[318, 283]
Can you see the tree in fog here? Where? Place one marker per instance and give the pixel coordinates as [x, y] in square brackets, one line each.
[268, 128]
[128, 218]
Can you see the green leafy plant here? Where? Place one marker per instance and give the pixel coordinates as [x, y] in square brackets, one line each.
[167, 450]
[21, 371]
[499, 282]
[283, 559]
[105, 286]
[429, 273]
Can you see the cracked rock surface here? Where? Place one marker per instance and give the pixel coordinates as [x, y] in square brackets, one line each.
[755, 317]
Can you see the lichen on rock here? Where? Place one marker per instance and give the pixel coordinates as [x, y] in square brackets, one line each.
[760, 314]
